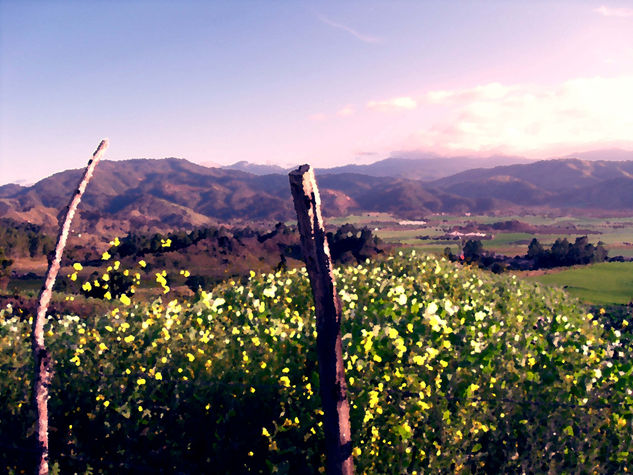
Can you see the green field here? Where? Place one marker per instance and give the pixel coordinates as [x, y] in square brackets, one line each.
[616, 233]
[599, 284]
[360, 219]
[602, 284]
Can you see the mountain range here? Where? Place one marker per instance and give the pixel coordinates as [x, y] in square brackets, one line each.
[171, 193]
[424, 167]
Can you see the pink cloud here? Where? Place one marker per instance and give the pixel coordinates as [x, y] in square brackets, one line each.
[492, 90]
[529, 119]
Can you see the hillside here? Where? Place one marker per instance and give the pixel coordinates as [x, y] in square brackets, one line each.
[157, 195]
[570, 183]
[149, 194]
[160, 195]
[549, 175]
[615, 193]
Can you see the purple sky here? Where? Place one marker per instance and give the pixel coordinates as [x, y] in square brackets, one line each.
[318, 82]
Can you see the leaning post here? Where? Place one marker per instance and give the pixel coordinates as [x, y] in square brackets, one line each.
[42, 359]
[333, 388]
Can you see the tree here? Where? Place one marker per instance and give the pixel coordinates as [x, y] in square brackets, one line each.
[497, 268]
[535, 249]
[560, 252]
[600, 254]
[563, 253]
[5, 270]
[473, 250]
[581, 252]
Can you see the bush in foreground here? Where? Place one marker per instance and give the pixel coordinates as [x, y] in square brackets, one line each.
[449, 370]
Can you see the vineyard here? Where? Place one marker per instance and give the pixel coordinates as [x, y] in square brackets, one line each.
[450, 370]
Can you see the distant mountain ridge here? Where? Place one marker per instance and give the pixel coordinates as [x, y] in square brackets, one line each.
[551, 175]
[428, 166]
[608, 154]
[566, 183]
[255, 169]
[158, 195]
[425, 168]
[174, 193]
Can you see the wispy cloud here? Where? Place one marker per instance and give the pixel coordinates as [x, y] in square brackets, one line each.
[396, 103]
[350, 30]
[489, 91]
[619, 12]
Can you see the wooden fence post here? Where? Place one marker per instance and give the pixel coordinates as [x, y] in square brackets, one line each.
[333, 388]
[43, 370]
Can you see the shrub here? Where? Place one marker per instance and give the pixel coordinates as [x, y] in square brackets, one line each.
[449, 370]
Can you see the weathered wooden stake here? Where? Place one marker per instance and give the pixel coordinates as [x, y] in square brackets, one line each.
[333, 388]
[43, 370]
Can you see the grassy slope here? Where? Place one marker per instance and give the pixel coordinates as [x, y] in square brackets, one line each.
[605, 283]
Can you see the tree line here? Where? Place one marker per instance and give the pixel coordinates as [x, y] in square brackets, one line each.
[564, 253]
[347, 243]
[24, 239]
[230, 246]
[561, 253]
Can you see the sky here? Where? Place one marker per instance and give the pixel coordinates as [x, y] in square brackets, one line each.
[325, 83]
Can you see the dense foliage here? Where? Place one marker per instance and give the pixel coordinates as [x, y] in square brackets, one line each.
[564, 253]
[212, 254]
[24, 239]
[346, 243]
[5, 269]
[449, 370]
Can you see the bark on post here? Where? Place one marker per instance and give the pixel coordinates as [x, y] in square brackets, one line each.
[43, 370]
[333, 388]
